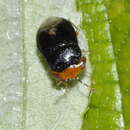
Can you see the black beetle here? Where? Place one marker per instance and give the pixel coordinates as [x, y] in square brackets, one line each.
[57, 41]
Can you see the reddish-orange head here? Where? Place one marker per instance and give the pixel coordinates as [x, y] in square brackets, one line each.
[71, 72]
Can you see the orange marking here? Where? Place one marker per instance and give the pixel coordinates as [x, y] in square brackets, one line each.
[71, 72]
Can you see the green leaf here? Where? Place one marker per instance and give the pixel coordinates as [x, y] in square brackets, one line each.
[29, 99]
[107, 27]
[119, 13]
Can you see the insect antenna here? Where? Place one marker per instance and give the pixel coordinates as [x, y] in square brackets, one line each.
[82, 82]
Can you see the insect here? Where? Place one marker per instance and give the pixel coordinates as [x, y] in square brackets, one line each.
[57, 41]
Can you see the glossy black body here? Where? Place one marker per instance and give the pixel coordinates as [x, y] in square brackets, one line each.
[57, 41]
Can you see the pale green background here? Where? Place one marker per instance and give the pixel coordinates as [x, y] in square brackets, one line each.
[27, 96]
